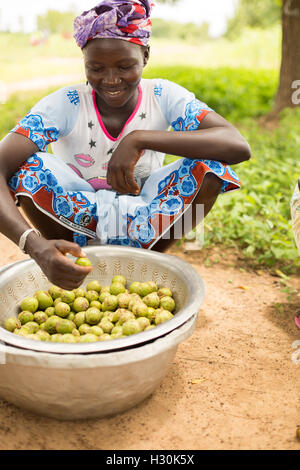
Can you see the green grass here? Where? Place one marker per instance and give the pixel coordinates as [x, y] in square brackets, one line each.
[256, 219]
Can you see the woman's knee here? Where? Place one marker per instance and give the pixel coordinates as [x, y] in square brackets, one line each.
[210, 188]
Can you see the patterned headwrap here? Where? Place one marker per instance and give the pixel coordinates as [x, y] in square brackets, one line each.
[119, 19]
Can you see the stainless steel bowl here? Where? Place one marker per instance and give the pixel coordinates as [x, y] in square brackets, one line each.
[24, 278]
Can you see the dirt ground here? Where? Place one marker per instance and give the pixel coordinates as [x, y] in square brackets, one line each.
[233, 383]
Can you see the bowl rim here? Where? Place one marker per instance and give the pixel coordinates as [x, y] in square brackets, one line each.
[196, 288]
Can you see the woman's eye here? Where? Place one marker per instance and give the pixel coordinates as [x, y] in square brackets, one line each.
[125, 67]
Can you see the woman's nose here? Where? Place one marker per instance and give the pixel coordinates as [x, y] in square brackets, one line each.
[111, 77]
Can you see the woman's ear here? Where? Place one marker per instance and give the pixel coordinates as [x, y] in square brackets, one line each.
[146, 55]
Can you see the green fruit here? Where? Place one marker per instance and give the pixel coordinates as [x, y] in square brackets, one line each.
[143, 322]
[88, 338]
[57, 301]
[42, 326]
[43, 335]
[83, 262]
[106, 325]
[56, 338]
[12, 323]
[80, 304]
[134, 288]
[104, 337]
[164, 291]
[33, 336]
[71, 316]
[92, 295]
[93, 316]
[117, 288]
[167, 303]
[84, 329]
[50, 311]
[103, 295]
[125, 316]
[96, 330]
[75, 332]
[64, 326]
[140, 309]
[44, 299]
[68, 338]
[67, 296]
[151, 313]
[117, 336]
[153, 286]
[149, 327]
[144, 289]
[25, 317]
[110, 303]
[50, 324]
[120, 279]
[131, 327]
[62, 309]
[151, 300]
[162, 316]
[96, 304]
[123, 300]
[117, 330]
[105, 289]
[30, 304]
[55, 292]
[94, 285]
[32, 327]
[79, 319]
[40, 317]
[79, 292]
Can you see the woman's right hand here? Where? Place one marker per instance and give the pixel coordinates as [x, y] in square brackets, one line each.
[50, 256]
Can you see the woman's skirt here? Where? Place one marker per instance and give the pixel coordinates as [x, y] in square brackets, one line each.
[106, 216]
[295, 212]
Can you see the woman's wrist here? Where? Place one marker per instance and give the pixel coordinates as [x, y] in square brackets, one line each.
[33, 244]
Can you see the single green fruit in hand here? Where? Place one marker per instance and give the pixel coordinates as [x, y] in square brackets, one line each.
[79, 292]
[117, 288]
[40, 317]
[55, 292]
[92, 295]
[94, 285]
[164, 291]
[83, 262]
[50, 311]
[25, 317]
[79, 319]
[96, 304]
[162, 316]
[68, 338]
[131, 327]
[110, 303]
[43, 335]
[67, 296]
[44, 299]
[167, 303]
[32, 327]
[80, 304]
[62, 309]
[93, 316]
[143, 322]
[64, 326]
[88, 338]
[84, 329]
[123, 300]
[96, 330]
[151, 300]
[119, 278]
[30, 304]
[12, 323]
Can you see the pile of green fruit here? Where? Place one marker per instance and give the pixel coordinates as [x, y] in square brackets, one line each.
[95, 313]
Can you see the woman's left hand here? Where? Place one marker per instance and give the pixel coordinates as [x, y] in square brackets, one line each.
[120, 171]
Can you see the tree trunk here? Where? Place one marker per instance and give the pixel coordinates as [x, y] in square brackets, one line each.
[288, 93]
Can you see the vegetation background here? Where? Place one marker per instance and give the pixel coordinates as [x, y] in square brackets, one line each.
[237, 75]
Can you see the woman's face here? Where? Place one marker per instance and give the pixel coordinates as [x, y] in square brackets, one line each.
[114, 68]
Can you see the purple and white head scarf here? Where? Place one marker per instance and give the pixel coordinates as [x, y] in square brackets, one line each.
[119, 19]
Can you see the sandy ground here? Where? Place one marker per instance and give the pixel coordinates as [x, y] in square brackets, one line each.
[232, 385]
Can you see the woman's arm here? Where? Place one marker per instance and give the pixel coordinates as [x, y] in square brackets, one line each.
[49, 254]
[215, 139]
